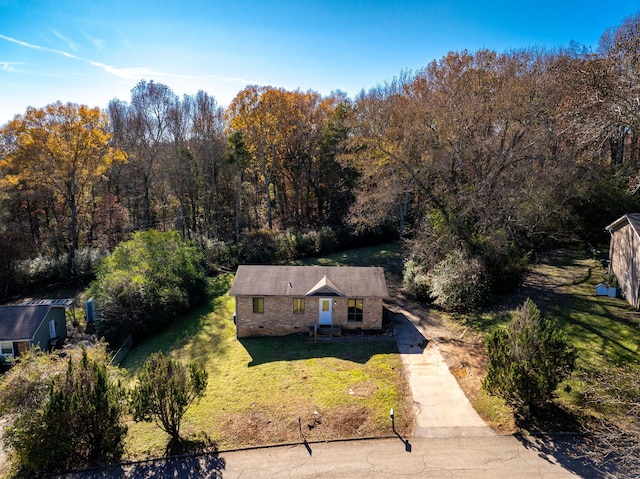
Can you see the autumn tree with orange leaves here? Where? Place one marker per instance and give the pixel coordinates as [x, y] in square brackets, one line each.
[55, 156]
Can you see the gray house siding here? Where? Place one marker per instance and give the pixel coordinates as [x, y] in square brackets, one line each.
[42, 337]
[624, 256]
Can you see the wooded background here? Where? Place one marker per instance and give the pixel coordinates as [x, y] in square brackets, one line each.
[487, 155]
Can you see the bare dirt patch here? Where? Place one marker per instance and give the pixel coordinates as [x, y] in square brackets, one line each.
[461, 348]
[261, 427]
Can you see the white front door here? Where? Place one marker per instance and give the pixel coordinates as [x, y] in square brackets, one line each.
[325, 310]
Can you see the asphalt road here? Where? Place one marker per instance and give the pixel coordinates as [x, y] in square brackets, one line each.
[477, 457]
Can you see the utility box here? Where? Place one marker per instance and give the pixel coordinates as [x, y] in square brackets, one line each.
[90, 310]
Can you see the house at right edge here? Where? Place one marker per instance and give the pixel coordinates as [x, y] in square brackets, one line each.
[624, 256]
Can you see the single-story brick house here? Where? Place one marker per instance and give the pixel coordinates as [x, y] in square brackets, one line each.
[37, 323]
[624, 256]
[280, 300]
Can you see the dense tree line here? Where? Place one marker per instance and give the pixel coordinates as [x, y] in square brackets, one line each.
[482, 156]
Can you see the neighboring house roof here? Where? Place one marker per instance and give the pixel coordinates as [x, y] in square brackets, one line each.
[350, 281]
[66, 302]
[632, 218]
[21, 322]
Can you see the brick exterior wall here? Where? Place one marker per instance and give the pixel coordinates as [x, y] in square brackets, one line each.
[279, 319]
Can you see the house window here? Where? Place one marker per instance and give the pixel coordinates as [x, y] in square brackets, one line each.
[355, 310]
[6, 348]
[258, 305]
[298, 305]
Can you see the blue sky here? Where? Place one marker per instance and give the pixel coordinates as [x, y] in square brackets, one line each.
[93, 51]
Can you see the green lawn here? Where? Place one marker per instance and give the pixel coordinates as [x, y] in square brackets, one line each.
[604, 330]
[389, 256]
[264, 390]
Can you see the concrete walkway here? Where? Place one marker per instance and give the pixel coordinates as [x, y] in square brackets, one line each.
[442, 409]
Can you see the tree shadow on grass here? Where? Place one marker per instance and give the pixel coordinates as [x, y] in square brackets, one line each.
[199, 331]
[551, 418]
[198, 444]
[600, 326]
[296, 347]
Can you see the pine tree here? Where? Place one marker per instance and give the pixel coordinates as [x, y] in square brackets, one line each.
[528, 360]
[165, 390]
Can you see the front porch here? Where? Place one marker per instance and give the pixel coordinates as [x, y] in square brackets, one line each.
[325, 331]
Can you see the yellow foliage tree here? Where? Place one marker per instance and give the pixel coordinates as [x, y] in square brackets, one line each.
[63, 148]
[282, 131]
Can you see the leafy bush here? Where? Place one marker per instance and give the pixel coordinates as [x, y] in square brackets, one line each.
[285, 243]
[460, 282]
[46, 269]
[506, 270]
[147, 282]
[416, 281]
[505, 263]
[273, 247]
[527, 360]
[328, 241]
[218, 254]
[259, 247]
[315, 242]
[308, 243]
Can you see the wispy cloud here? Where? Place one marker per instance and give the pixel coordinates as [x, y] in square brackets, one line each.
[97, 42]
[134, 72]
[10, 66]
[129, 73]
[70, 43]
[123, 38]
[226, 79]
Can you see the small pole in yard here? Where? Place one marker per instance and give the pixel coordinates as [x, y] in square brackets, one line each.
[304, 439]
[300, 427]
[407, 444]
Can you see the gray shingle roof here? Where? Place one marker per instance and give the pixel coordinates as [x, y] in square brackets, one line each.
[632, 218]
[22, 321]
[350, 281]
